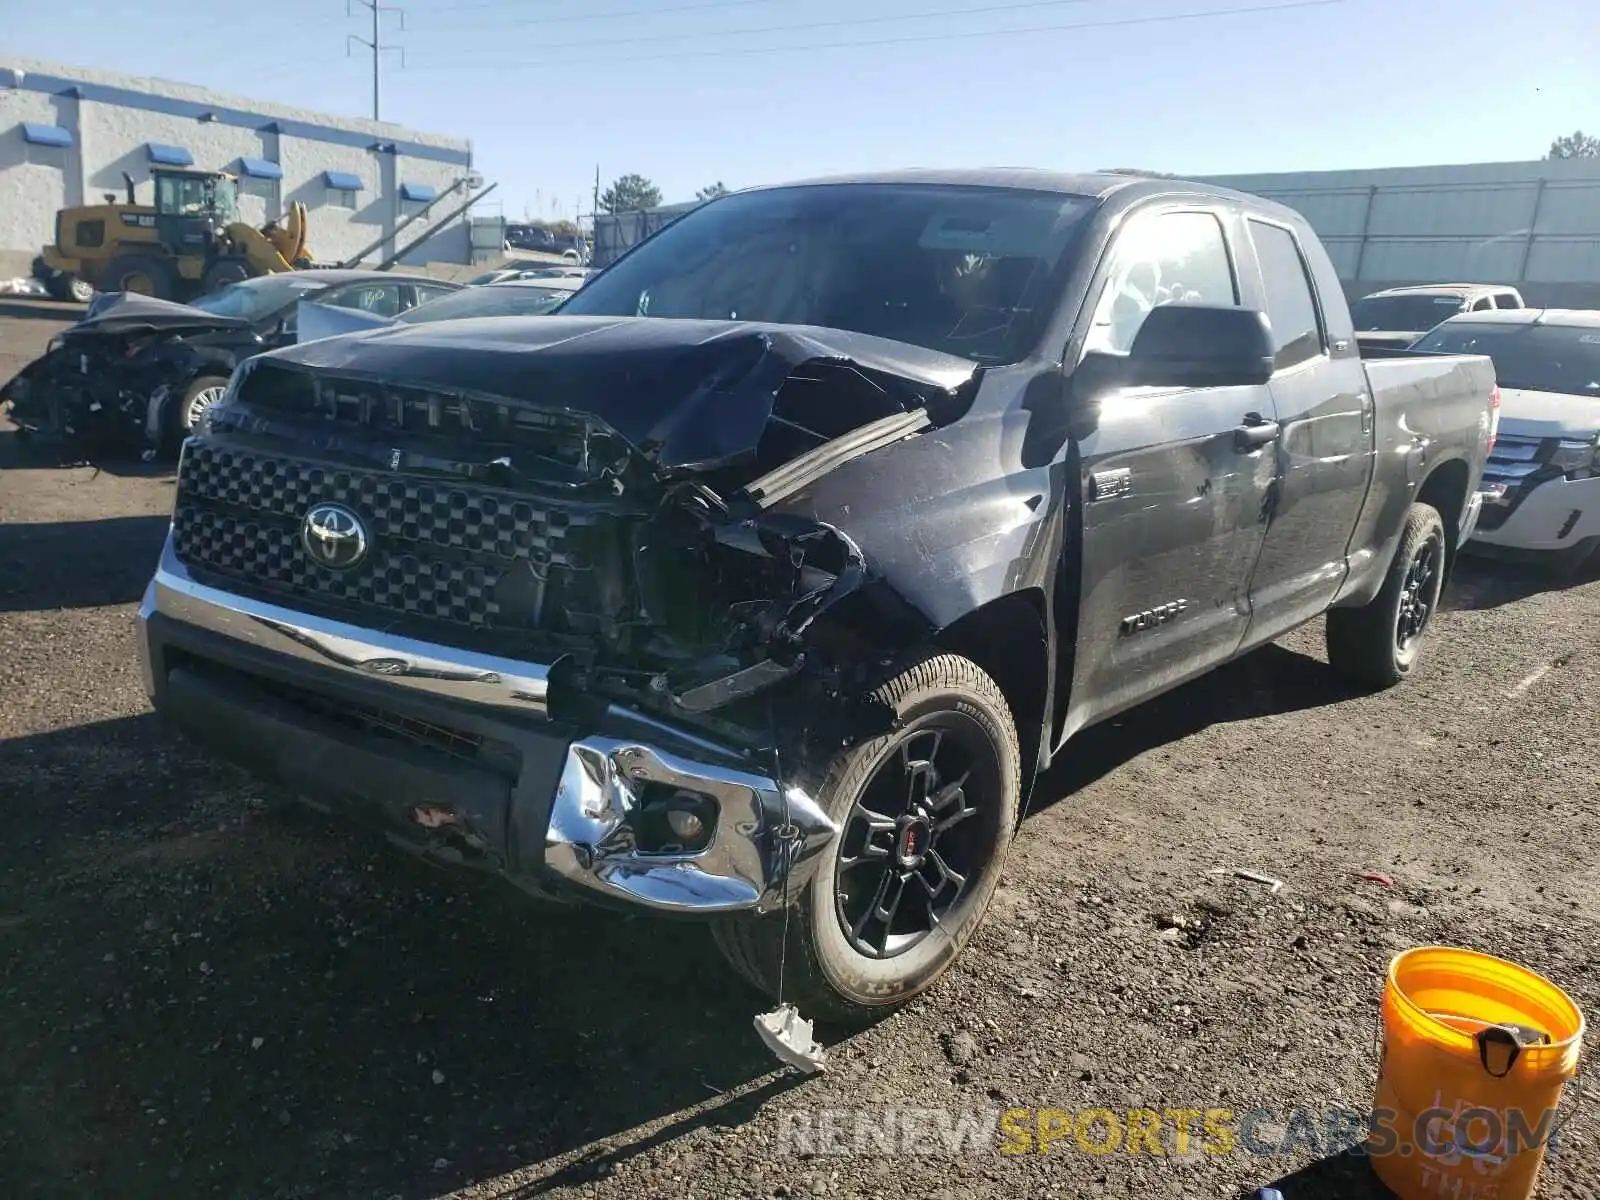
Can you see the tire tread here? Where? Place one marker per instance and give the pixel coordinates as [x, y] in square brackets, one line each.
[1360, 641]
[753, 945]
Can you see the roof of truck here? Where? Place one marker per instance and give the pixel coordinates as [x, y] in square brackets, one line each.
[1096, 184]
[1573, 318]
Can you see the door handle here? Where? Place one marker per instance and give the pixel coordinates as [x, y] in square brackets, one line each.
[1255, 433]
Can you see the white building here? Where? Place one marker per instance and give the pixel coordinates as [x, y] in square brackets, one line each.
[68, 135]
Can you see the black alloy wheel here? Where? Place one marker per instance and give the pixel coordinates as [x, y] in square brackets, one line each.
[1419, 593]
[915, 837]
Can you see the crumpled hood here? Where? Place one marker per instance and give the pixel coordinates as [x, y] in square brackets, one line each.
[1525, 413]
[688, 394]
[129, 312]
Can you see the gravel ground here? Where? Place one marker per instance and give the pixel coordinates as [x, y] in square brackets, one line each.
[206, 995]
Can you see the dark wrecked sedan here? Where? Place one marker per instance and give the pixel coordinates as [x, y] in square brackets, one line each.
[760, 583]
[139, 370]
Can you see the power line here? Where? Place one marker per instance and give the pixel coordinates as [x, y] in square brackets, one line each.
[843, 22]
[1204, 14]
[600, 16]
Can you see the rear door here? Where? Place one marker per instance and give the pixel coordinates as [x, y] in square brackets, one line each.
[1325, 447]
[1173, 505]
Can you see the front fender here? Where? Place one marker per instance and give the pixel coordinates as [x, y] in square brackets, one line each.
[947, 522]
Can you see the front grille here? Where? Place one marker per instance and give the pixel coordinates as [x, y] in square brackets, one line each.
[404, 510]
[1521, 464]
[463, 555]
[273, 556]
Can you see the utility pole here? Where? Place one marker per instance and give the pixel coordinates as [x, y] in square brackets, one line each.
[597, 189]
[375, 45]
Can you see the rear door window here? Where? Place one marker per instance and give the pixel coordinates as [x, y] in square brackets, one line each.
[1507, 300]
[1291, 303]
[381, 299]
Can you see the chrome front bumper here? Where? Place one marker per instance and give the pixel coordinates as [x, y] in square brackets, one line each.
[768, 838]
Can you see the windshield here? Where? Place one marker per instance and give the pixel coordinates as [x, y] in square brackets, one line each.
[1403, 314]
[1537, 358]
[494, 300]
[968, 271]
[257, 299]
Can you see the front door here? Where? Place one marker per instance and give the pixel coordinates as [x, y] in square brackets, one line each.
[1326, 446]
[1173, 498]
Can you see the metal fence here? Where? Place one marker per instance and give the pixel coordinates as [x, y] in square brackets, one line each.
[615, 233]
[1533, 224]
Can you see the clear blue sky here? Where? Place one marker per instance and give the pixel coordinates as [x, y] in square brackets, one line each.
[682, 91]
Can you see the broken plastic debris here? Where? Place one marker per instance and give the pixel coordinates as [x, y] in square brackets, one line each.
[1273, 885]
[789, 1036]
[1377, 877]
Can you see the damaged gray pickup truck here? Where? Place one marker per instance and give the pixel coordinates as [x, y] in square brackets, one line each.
[760, 582]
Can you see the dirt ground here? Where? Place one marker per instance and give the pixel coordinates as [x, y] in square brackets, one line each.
[206, 996]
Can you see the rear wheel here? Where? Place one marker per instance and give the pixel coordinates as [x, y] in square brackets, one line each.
[926, 816]
[142, 274]
[1378, 644]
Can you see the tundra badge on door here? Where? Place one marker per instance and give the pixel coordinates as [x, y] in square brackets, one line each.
[1151, 617]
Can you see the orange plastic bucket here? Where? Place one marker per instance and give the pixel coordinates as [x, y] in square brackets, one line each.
[1476, 1051]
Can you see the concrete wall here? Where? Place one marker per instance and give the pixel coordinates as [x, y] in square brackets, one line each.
[113, 118]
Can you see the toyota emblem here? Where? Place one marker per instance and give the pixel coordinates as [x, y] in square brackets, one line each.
[334, 537]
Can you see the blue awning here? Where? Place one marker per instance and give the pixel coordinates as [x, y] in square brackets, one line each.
[169, 156]
[46, 135]
[419, 192]
[344, 181]
[260, 168]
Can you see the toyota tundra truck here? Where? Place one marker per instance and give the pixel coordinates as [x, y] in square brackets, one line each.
[760, 583]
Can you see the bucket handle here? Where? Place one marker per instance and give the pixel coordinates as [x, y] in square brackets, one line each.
[1499, 1035]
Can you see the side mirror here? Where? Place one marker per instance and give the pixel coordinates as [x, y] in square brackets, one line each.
[1195, 345]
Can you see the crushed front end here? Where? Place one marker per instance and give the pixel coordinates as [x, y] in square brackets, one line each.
[89, 391]
[506, 632]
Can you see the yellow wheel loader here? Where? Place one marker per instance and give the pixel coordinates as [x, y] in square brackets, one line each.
[189, 242]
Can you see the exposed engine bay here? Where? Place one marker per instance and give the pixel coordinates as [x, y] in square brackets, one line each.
[110, 379]
[613, 509]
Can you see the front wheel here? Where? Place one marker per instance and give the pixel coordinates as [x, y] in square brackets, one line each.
[195, 402]
[222, 273]
[926, 815]
[69, 288]
[1378, 644]
[143, 274]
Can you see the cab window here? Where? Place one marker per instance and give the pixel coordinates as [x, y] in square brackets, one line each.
[1167, 258]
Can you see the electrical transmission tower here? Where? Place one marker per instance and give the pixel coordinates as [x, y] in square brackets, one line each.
[376, 44]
